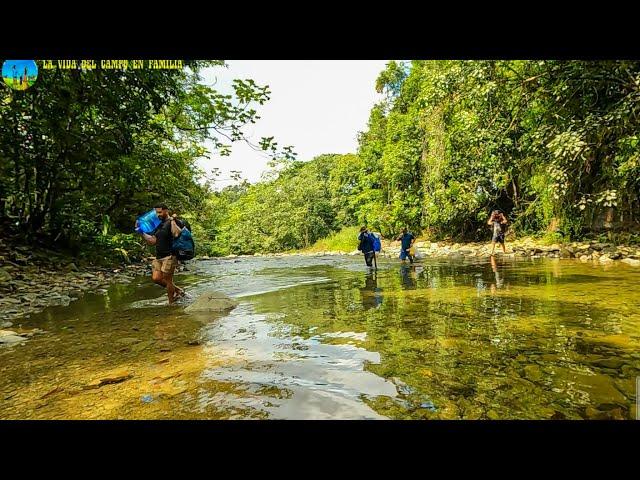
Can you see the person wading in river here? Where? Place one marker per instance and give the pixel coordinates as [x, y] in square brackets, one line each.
[366, 245]
[499, 222]
[406, 242]
[165, 262]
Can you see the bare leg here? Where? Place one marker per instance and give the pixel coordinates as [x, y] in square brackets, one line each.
[171, 288]
[157, 278]
[504, 248]
[179, 291]
[493, 247]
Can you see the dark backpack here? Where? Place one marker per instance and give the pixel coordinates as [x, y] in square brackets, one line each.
[184, 247]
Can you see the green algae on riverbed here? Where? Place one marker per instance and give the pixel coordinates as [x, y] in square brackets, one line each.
[323, 337]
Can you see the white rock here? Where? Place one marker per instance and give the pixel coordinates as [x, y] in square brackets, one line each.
[9, 336]
[8, 339]
[631, 261]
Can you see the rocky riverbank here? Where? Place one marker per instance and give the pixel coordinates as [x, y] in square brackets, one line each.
[29, 289]
[602, 253]
[584, 251]
[32, 280]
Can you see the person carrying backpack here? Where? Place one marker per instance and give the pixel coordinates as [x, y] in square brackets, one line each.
[183, 246]
[166, 261]
[367, 245]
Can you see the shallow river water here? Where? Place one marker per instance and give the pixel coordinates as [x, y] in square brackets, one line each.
[326, 338]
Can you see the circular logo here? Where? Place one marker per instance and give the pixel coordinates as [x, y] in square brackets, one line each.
[19, 74]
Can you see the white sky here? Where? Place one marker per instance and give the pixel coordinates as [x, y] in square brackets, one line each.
[317, 106]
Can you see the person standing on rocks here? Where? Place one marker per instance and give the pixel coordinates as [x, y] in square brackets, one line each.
[165, 262]
[499, 222]
[366, 245]
[406, 242]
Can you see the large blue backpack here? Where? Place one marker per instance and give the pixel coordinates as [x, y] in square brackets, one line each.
[377, 244]
[183, 247]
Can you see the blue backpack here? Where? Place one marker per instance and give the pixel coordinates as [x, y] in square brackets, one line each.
[377, 244]
[183, 247]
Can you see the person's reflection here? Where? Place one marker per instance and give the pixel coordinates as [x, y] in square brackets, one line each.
[370, 293]
[499, 280]
[408, 275]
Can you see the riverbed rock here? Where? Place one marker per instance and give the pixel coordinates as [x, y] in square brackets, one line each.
[611, 414]
[493, 415]
[566, 253]
[612, 363]
[532, 373]
[116, 377]
[5, 276]
[212, 302]
[8, 337]
[631, 261]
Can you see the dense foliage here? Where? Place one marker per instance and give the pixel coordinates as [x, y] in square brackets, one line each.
[555, 144]
[84, 152]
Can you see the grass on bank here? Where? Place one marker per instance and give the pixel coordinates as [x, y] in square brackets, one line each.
[346, 240]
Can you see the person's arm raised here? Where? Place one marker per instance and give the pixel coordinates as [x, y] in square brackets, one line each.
[175, 229]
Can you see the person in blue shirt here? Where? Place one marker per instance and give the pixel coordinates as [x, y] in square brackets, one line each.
[406, 242]
[366, 245]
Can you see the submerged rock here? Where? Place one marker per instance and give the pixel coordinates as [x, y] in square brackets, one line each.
[116, 377]
[611, 363]
[532, 373]
[212, 302]
[9, 337]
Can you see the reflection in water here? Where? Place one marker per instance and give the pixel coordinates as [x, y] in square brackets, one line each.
[370, 293]
[408, 273]
[499, 283]
[502, 338]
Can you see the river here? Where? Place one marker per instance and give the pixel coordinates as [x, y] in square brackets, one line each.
[325, 338]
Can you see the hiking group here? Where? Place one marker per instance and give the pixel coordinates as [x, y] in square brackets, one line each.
[370, 242]
[174, 243]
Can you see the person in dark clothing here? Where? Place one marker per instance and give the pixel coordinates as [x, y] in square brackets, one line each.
[406, 242]
[165, 262]
[498, 222]
[366, 245]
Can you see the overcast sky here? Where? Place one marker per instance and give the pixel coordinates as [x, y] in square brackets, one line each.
[317, 106]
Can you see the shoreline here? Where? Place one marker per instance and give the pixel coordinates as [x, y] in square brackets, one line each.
[598, 252]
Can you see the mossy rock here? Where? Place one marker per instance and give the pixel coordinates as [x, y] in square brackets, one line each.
[212, 302]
